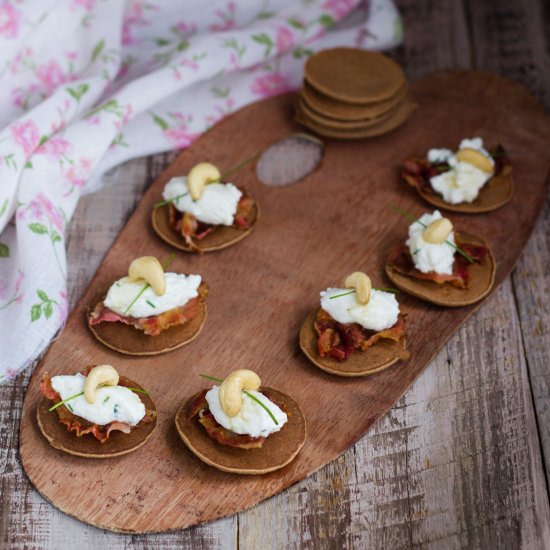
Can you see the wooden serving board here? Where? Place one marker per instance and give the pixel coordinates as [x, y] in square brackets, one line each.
[310, 235]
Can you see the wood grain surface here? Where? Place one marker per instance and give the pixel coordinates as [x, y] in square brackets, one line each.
[276, 274]
[439, 470]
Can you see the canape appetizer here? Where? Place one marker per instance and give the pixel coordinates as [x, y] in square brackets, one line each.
[241, 427]
[471, 180]
[440, 265]
[96, 414]
[149, 311]
[357, 331]
[200, 213]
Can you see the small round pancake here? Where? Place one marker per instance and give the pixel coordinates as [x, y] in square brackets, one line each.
[344, 125]
[222, 237]
[480, 283]
[398, 118]
[130, 341]
[87, 445]
[380, 356]
[354, 76]
[498, 191]
[278, 450]
[331, 108]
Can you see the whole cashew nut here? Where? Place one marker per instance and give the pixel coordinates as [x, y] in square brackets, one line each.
[438, 231]
[230, 392]
[199, 176]
[149, 269]
[362, 284]
[475, 158]
[102, 374]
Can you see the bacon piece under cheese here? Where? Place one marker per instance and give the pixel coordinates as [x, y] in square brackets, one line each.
[192, 229]
[155, 324]
[80, 425]
[400, 260]
[340, 340]
[216, 431]
[418, 171]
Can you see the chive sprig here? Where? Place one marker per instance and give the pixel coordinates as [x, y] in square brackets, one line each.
[253, 397]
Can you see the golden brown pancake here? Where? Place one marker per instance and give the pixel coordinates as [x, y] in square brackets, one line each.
[378, 357]
[398, 118]
[345, 125]
[480, 282]
[87, 445]
[129, 340]
[278, 450]
[353, 75]
[333, 109]
[222, 237]
[498, 191]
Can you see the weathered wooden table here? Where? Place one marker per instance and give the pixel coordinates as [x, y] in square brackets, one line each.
[463, 459]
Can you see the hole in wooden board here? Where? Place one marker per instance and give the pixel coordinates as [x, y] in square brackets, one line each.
[290, 159]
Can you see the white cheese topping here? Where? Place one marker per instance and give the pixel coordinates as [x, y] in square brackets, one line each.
[463, 181]
[112, 402]
[439, 155]
[252, 419]
[179, 290]
[379, 314]
[475, 143]
[217, 205]
[430, 257]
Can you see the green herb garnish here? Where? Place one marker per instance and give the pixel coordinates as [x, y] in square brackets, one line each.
[147, 285]
[65, 401]
[217, 180]
[382, 289]
[410, 217]
[211, 378]
[175, 199]
[150, 303]
[82, 393]
[115, 410]
[137, 390]
[416, 251]
[253, 397]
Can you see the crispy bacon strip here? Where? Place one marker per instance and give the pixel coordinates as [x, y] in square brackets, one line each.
[400, 260]
[152, 326]
[78, 424]
[341, 340]
[199, 407]
[418, 171]
[191, 229]
[47, 390]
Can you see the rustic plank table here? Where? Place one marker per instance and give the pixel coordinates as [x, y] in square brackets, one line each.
[463, 459]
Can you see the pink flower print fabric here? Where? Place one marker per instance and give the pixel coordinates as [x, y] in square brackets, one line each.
[88, 84]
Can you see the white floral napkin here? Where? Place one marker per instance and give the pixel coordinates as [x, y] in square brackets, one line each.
[88, 84]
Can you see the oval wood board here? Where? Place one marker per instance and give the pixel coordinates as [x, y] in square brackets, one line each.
[310, 235]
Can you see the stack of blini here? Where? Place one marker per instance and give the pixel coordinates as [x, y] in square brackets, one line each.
[351, 94]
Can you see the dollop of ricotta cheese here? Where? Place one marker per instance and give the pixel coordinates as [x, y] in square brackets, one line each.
[463, 182]
[436, 156]
[179, 290]
[112, 402]
[429, 257]
[380, 313]
[252, 419]
[217, 205]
